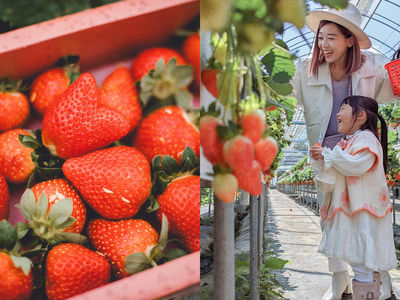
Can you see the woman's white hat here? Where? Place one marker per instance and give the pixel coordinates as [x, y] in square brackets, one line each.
[349, 18]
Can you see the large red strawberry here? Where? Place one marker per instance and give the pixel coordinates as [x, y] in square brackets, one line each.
[72, 269]
[78, 123]
[4, 198]
[225, 187]
[146, 60]
[117, 239]
[239, 153]
[47, 87]
[14, 283]
[250, 179]
[210, 140]
[191, 51]
[114, 181]
[253, 125]
[167, 131]
[265, 152]
[14, 106]
[118, 92]
[57, 189]
[209, 79]
[15, 159]
[180, 204]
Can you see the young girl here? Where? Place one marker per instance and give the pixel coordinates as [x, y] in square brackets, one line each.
[357, 206]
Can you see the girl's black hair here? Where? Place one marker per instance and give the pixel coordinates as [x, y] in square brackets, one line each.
[370, 106]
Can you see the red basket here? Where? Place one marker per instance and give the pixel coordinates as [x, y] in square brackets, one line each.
[393, 69]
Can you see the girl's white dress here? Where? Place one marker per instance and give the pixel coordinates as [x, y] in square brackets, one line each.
[356, 209]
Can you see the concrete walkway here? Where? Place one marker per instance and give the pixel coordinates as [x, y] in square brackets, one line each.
[295, 232]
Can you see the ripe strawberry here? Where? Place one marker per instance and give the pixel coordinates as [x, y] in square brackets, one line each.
[209, 79]
[72, 269]
[117, 239]
[78, 123]
[146, 60]
[4, 198]
[250, 180]
[191, 51]
[253, 125]
[118, 92]
[166, 131]
[15, 159]
[14, 283]
[225, 187]
[58, 189]
[239, 153]
[114, 181]
[14, 106]
[265, 152]
[180, 204]
[47, 87]
[209, 139]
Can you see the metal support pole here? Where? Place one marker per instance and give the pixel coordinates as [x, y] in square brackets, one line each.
[261, 205]
[224, 254]
[210, 197]
[394, 204]
[253, 248]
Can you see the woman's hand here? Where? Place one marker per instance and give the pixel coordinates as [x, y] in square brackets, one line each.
[316, 152]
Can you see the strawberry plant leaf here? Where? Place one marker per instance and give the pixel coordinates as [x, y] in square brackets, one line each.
[188, 154]
[69, 222]
[61, 211]
[22, 229]
[29, 141]
[172, 254]
[169, 165]
[136, 262]
[275, 263]
[338, 4]
[280, 88]
[22, 262]
[42, 206]
[27, 205]
[63, 236]
[281, 77]
[8, 235]
[34, 251]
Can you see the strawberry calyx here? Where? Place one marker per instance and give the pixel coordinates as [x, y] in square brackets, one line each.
[47, 165]
[164, 169]
[167, 81]
[9, 244]
[212, 110]
[45, 226]
[70, 63]
[12, 86]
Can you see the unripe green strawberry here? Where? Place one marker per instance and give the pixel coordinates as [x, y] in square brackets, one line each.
[292, 11]
[225, 187]
[253, 36]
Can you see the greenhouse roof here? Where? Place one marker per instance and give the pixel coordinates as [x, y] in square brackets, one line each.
[380, 20]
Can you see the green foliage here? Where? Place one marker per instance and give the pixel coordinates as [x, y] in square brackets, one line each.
[338, 4]
[20, 13]
[205, 196]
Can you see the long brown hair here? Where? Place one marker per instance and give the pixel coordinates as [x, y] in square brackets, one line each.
[354, 58]
[370, 106]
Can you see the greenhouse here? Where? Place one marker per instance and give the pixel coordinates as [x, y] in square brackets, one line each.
[271, 104]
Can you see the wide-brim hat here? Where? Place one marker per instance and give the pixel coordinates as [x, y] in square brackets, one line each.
[349, 18]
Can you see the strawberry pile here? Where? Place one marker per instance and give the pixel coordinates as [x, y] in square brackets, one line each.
[112, 175]
[238, 153]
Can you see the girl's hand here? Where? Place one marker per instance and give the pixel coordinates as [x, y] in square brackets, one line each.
[316, 152]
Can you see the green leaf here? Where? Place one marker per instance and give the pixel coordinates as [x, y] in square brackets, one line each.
[29, 141]
[22, 262]
[281, 43]
[8, 235]
[281, 89]
[34, 251]
[269, 61]
[169, 165]
[42, 205]
[281, 77]
[22, 229]
[275, 263]
[184, 99]
[63, 236]
[61, 211]
[69, 222]
[172, 254]
[188, 154]
[27, 205]
[153, 204]
[338, 4]
[136, 262]
[164, 231]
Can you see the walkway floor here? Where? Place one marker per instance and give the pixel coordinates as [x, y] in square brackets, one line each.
[296, 233]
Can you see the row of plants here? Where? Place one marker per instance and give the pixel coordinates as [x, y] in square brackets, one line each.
[299, 174]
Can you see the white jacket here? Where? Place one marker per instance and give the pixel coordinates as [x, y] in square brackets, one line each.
[315, 94]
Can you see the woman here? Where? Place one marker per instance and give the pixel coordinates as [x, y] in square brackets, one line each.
[337, 69]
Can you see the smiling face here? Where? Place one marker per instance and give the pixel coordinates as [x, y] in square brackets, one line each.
[346, 120]
[333, 44]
